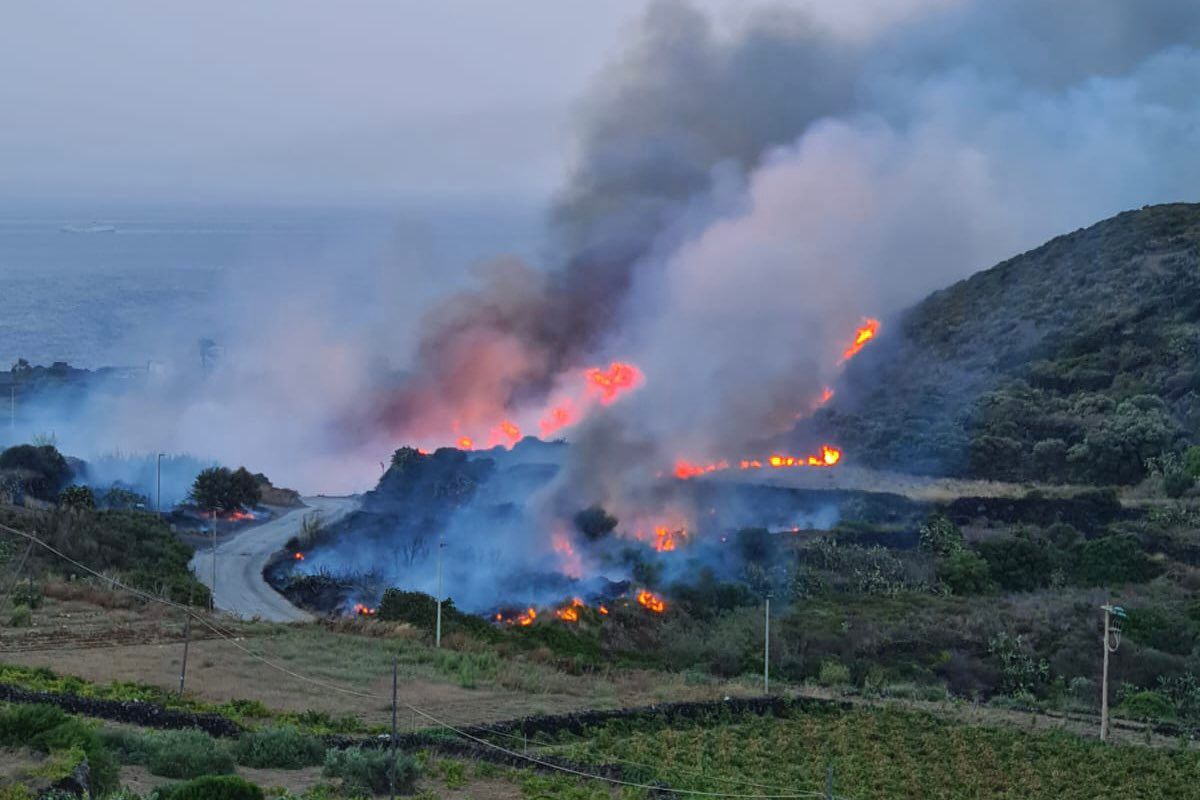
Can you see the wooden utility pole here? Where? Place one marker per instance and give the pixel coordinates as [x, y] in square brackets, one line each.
[392, 761]
[767, 647]
[187, 640]
[16, 578]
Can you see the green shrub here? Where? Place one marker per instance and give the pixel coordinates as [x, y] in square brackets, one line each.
[278, 748]
[49, 729]
[1112, 559]
[77, 497]
[1019, 563]
[369, 771]
[21, 617]
[212, 787]
[186, 754]
[940, 536]
[833, 673]
[1147, 705]
[964, 572]
[28, 594]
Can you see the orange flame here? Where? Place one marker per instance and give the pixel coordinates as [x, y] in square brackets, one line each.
[556, 419]
[298, 556]
[465, 443]
[603, 610]
[507, 433]
[364, 611]
[570, 561]
[526, 619]
[611, 383]
[651, 601]
[828, 456]
[666, 540]
[684, 469]
[570, 613]
[867, 332]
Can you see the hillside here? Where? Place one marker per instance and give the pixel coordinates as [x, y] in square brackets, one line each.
[1076, 361]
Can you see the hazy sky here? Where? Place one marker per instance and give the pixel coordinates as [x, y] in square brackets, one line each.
[309, 101]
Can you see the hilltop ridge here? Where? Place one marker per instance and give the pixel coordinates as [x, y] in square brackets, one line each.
[1075, 361]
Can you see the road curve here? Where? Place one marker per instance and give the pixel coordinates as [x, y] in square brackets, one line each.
[241, 590]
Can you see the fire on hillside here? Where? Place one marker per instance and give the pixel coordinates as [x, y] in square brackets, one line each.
[661, 529]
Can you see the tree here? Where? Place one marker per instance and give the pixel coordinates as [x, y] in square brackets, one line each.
[245, 488]
[213, 490]
[595, 523]
[41, 469]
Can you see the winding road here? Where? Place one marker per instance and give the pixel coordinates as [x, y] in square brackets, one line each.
[241, 589]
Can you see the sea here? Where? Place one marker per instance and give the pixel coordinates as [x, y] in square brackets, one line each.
[92, 284]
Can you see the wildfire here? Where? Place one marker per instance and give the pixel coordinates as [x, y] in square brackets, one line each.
[465, 443]
[611, 383]
[238, 516]
[603, 610]
[507, 433]
[666, 540]
[828, 456]
[864, 334]
[684, 469]
[298, 556]
[364, 611]
[570, 561]
[651, 601]
[570, 613]
[556, 419]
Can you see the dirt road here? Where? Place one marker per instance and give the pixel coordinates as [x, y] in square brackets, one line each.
[240, 589]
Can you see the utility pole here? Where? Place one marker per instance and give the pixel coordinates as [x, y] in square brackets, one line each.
[1112, 640]
[829, 781]
[187, 640]
[158, 484]
[438, 635]
[392, 764]
[12, 413]
[213, 594]
[767, 647]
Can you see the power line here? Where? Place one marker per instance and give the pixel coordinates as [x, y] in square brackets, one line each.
[228, 637]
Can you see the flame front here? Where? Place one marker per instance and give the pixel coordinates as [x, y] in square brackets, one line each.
[557, 418]
[867, 332]
[611, 383]
[651, 601]
[364, 611]
[666, 540]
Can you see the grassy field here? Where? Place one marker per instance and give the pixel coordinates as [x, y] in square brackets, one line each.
[889, 753]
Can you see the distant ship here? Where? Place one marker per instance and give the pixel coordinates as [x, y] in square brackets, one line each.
[93, 228]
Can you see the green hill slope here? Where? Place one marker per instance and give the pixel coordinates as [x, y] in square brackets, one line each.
[1076, 361]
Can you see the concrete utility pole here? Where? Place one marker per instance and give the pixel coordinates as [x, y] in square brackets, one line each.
[767, 647]
[438, 635]
[1112, 640]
